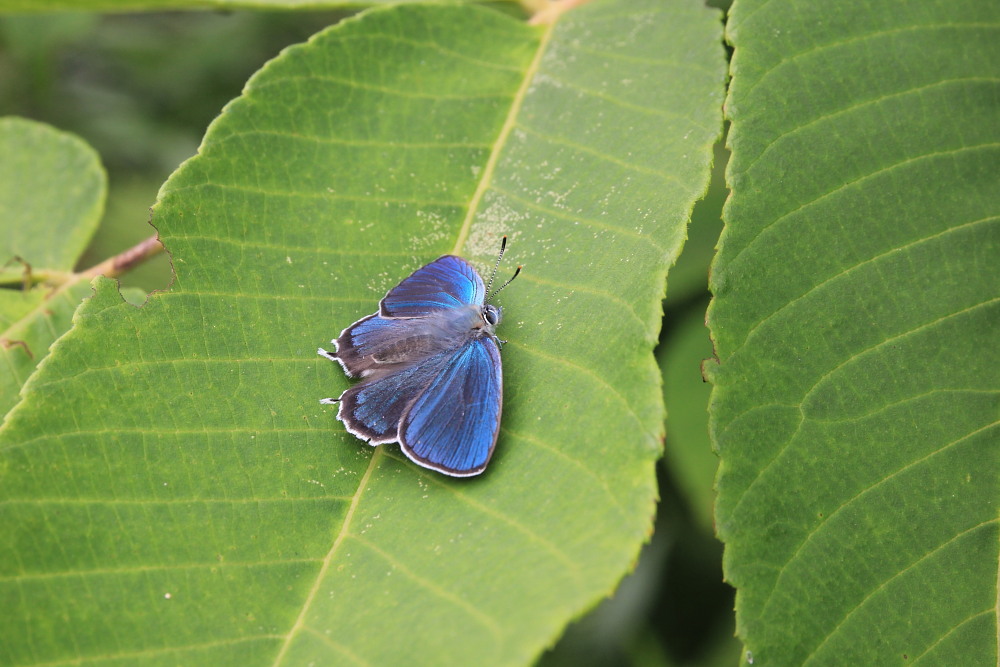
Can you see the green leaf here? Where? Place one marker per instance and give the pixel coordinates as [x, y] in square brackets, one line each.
[52, 190]
[173, 490]
[855, 319]
[689, 276]
[52, 187]
[29, 323]
[688, 451]
[126, 225]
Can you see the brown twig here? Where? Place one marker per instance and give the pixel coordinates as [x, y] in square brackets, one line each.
[123, 261]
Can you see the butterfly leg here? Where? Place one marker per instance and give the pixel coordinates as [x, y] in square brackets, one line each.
[329, 401]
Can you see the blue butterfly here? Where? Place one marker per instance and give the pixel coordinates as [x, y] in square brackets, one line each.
[430, 363]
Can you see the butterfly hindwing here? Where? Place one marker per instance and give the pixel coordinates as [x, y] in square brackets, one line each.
[357, 344]
[452, 425]
[447, 282]
[377, 344]
[372, 409]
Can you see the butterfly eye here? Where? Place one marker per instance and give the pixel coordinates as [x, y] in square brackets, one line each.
[491, 315]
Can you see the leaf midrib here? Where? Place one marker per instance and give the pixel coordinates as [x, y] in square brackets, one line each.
[508, 125]
[355, 501]
[463, 233]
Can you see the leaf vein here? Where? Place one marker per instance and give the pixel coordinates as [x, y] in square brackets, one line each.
[167, 501]
[802, 415]
[384, 90]
[336, 646]
[611, 55]
[326, 196]
[894, 339]
[260, 297]
[854, 267]
[300, 621]
[559, 141]
[340, 141]
[76, 661]
[989, 611]
[430, 46]
[572, 566]
[860, 105]
[484, 619]
[159, 431]
[908, 399]
[625, 305]
[140, 569]
[819, 529]
[631, 106]
[282, 248]
[836, 628]
[611, 390]
[782, 219]
[601, 482]
[517, 102]
[876, 34]
[590, 222]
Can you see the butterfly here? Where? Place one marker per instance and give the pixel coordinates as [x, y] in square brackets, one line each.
[429, 360]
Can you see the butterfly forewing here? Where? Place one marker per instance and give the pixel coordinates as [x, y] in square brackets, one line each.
[452, 426]
[447, 282]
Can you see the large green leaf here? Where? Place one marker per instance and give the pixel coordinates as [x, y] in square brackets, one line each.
[172, 488]
[855, 319]
[52, 190]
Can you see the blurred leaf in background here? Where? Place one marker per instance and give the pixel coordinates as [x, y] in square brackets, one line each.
[141, 89]
[49, 180]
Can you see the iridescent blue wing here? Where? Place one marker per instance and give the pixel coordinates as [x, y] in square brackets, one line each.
[452, 425]
[372, 409]
[447, 282]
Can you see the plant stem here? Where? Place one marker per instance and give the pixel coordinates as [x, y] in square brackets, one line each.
[123, 261]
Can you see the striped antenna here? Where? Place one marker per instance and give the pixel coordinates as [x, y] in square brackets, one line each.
[503, 246]
[509, 281]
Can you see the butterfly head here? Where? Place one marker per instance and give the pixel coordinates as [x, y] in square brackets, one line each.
[491, 316]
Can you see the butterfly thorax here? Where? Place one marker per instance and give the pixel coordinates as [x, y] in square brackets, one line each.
[448, 329]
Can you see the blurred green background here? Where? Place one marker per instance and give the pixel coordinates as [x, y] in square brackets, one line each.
[142, 88]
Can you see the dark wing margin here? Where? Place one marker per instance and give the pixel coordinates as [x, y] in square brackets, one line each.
[447, 282]
[452, 426]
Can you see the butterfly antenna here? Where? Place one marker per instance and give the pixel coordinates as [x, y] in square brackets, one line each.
[509, 281]
[503, 246]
